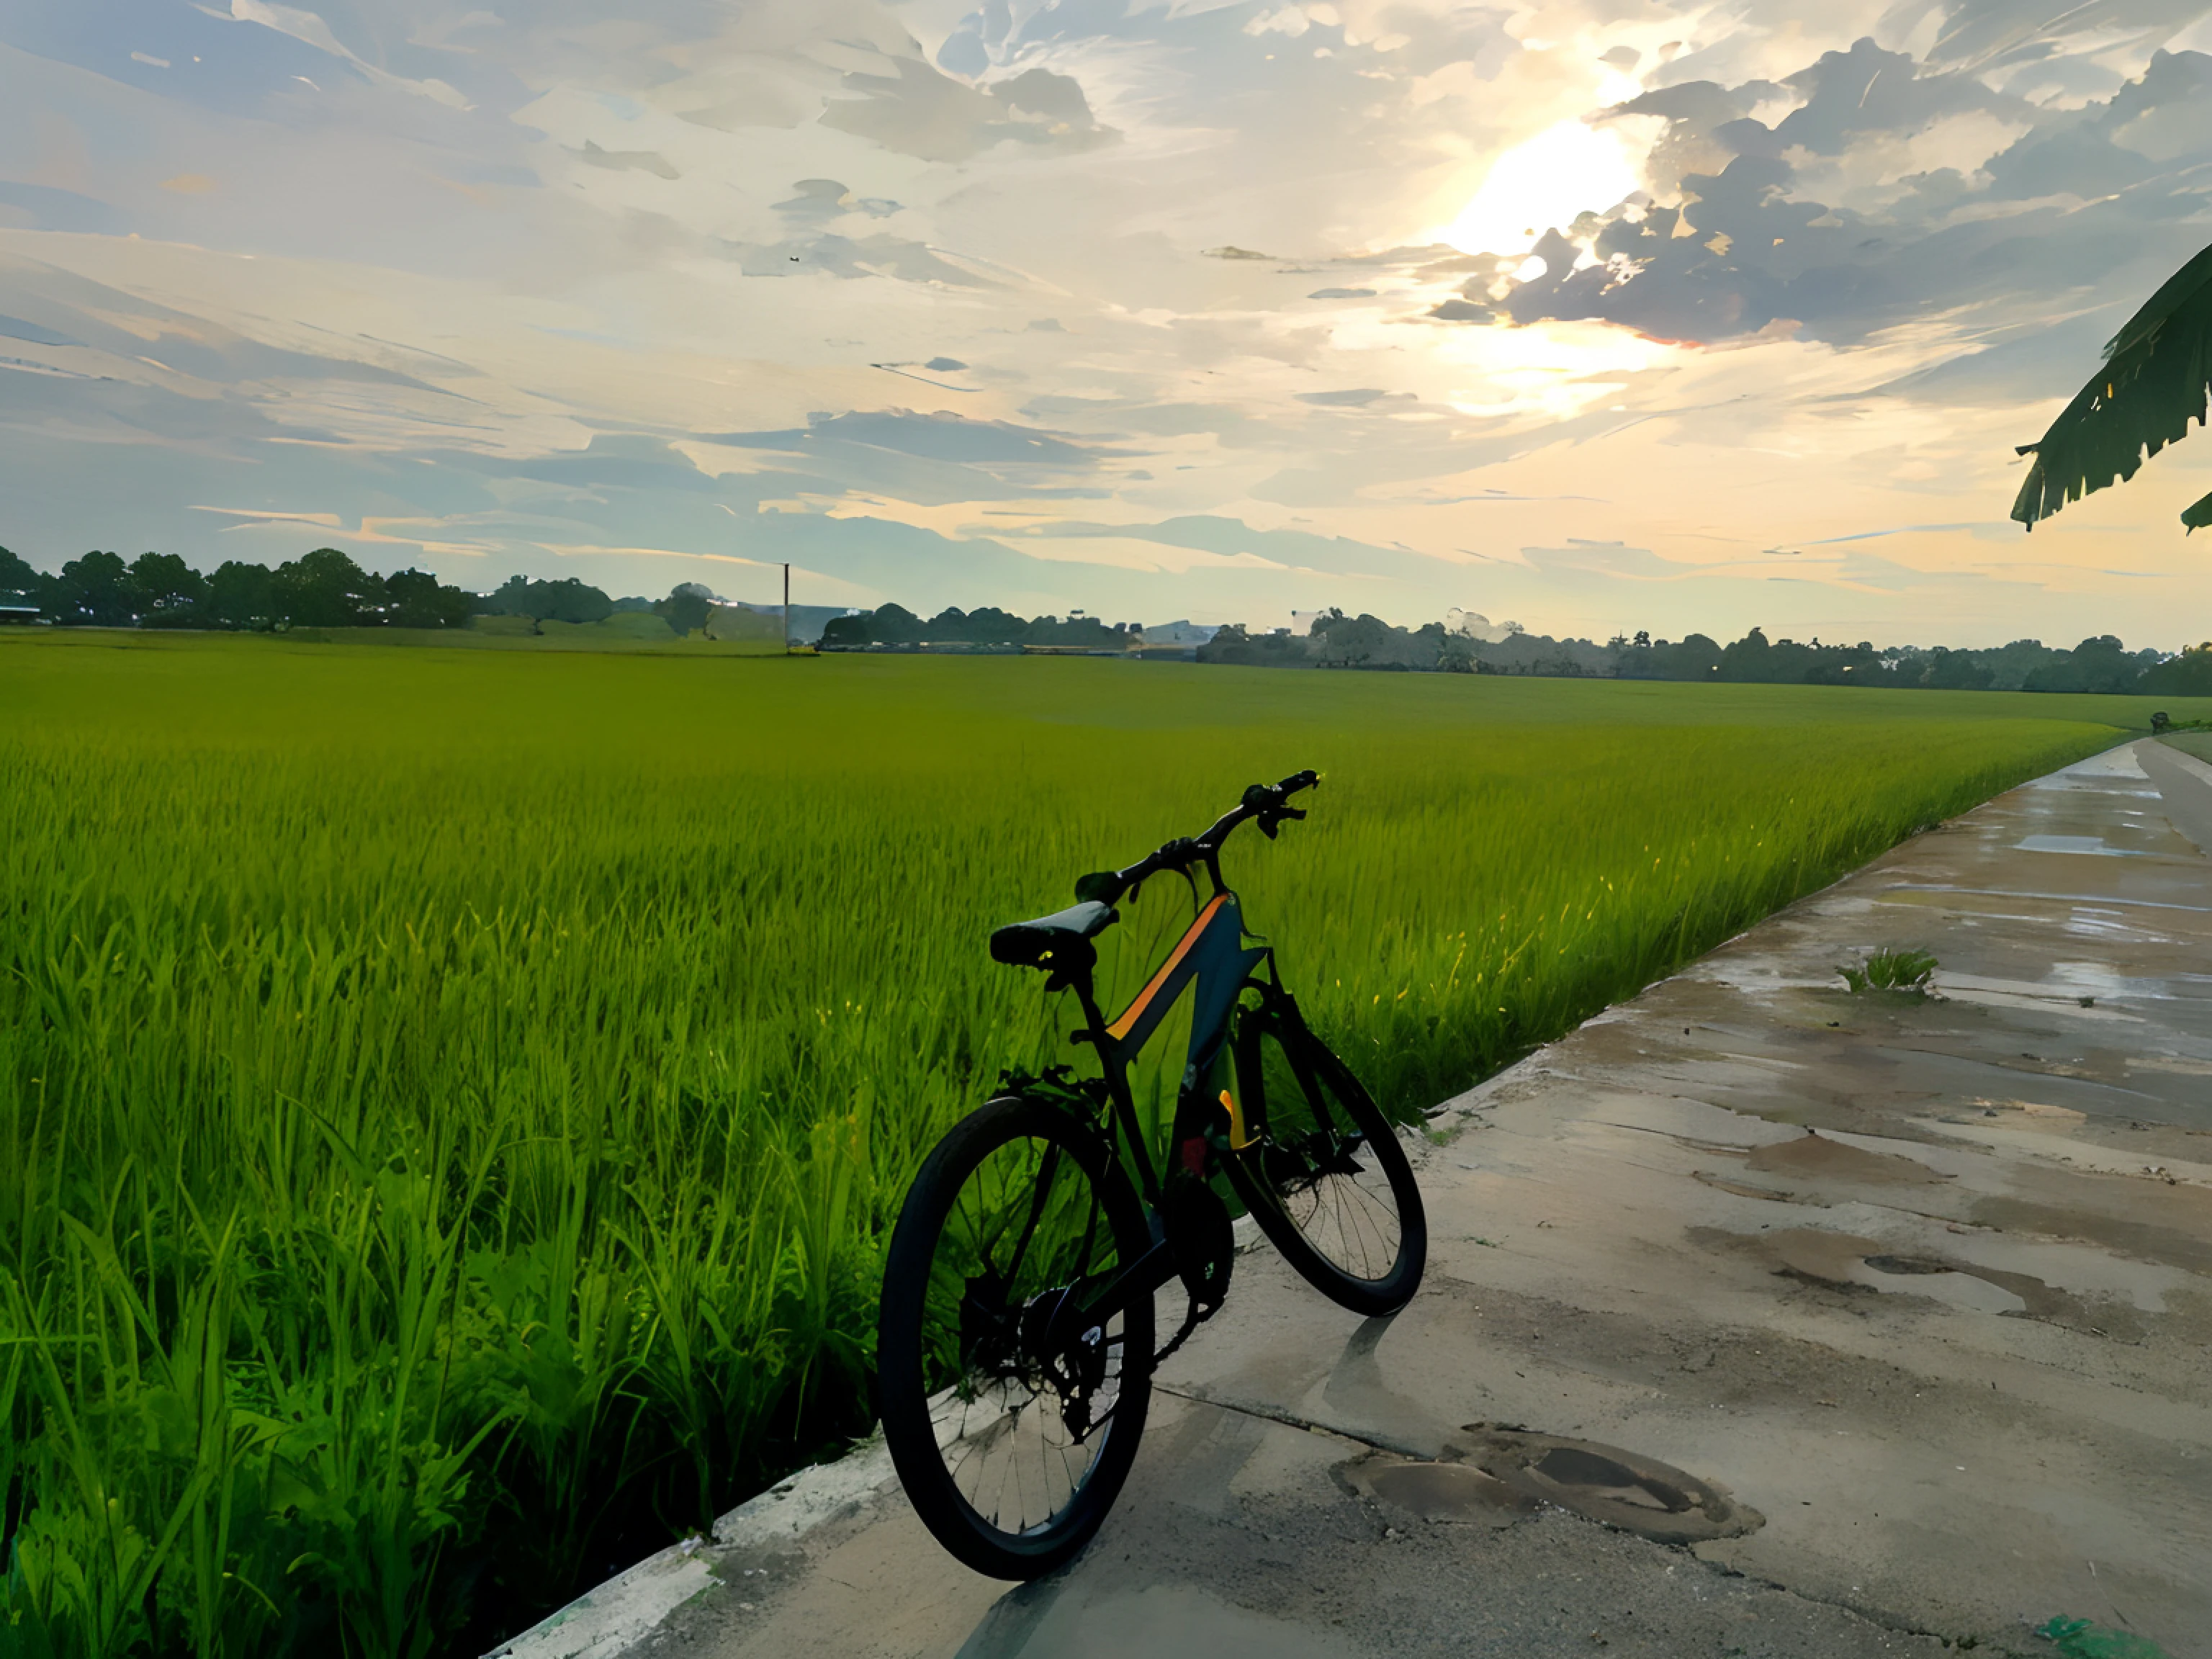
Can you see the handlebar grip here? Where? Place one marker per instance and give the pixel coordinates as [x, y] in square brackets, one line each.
[1268, 798]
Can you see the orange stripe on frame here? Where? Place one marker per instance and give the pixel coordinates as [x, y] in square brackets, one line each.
[1120, 1027]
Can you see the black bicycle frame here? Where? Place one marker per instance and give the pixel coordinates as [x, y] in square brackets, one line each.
[1212, 953]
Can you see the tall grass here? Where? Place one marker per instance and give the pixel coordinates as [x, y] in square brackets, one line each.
[450, 1102]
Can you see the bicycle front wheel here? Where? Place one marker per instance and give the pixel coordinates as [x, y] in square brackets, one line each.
[1325, 1176]
[1012, 1414]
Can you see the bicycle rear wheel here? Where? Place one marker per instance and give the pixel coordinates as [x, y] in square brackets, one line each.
[1325, 1177]
[1011, 1415]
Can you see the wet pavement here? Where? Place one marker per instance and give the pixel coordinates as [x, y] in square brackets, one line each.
[1762, 1318]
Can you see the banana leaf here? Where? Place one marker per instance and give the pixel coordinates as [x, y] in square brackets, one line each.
[2157, 377]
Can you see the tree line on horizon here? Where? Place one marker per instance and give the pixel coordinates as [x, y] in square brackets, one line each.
[2101, 663]
[1365, 641]
[326, 588]
[986, 625]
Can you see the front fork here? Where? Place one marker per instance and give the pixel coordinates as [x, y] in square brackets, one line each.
[1219, 1112]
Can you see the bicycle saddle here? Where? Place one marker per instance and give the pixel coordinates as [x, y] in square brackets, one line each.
[1031, 944]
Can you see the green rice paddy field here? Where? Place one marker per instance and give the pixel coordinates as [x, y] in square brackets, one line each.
[450, 1102]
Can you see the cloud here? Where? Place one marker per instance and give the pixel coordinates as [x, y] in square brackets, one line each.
[918, 110]
[309, 28]
[939, 437]
[626, 161]
[952, 302]
[2053, 200]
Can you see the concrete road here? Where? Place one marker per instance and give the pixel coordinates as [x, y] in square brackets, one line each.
[1893, 1314]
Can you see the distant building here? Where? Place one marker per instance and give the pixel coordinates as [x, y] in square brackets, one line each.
[11, 611]
[1182, 631]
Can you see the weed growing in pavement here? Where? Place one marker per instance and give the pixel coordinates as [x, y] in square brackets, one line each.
[1892, 970]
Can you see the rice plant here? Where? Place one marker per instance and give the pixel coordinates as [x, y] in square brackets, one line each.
[450, 1102]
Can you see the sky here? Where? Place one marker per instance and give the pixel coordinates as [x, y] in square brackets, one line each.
[1592, 315]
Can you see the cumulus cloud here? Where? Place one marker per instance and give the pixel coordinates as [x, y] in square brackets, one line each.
[1836, 217]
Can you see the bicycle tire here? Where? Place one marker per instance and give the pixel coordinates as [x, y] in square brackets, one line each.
[929, 1249]
[1276, 1179]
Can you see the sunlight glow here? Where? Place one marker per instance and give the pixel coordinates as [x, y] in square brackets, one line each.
[1563, 171]
[1548, 370]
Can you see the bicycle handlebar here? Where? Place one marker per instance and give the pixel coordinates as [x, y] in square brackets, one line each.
[1264, 803]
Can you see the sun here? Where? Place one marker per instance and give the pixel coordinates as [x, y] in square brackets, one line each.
[1564, 170]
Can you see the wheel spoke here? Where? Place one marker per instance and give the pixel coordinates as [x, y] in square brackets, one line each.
[1330, 1181]
[1023, 1244]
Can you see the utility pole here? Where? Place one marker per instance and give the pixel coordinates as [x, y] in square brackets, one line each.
[786, 607]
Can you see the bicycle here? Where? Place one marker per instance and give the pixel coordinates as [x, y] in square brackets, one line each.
[1014, 1337]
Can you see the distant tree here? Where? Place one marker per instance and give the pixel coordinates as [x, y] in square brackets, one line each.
[2188, 675]
[573, 600]
[241, 595]
[2012, 664]
[988, 625]
[687, 607]
[415, 598]
[95, 590]
[1698, 657]
[1352, 642]
[1852, 665]
[1082, 633]
[1789, 663]
[2101, 663]
[326, 589]
[569, 600]
[510, 598]
[845, 631]
[2156, 379]
[948, 626]
[894, 625]
[21, 581]
[985, 625]
[166, 592]
[1747, 658]
[1956, 671]
[1235, 644]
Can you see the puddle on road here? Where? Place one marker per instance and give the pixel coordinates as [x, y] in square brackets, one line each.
[1446, 1492]
[1495, 1476]
[2092, 846]
[1844, 1258]
[1813, 1155]
[2102, 1296]
[2120, 763]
